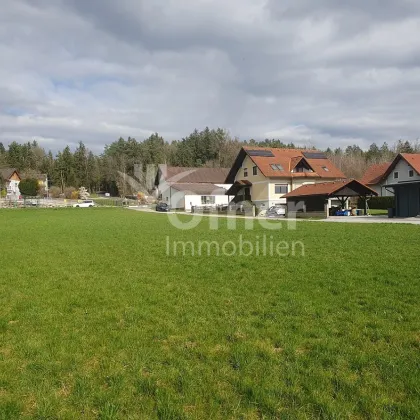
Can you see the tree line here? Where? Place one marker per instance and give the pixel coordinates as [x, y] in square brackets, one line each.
[206, 148]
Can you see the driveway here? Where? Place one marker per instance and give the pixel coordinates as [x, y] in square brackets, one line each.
[332, 219]
[372, 219]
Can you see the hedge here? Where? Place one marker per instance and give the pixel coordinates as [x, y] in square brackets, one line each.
[29, 187]
[377, 203]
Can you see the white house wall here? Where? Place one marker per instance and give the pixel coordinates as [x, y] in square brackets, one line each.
[382, 192]
[195, 200]
[172, 197]
[277, 199]
[13, 192]
[402, 168]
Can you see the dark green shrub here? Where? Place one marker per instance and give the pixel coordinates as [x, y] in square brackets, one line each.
[29, 187]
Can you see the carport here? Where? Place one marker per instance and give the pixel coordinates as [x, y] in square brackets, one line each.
[314, 200]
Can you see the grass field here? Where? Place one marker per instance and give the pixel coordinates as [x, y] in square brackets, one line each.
[375, 212]
[96, 321]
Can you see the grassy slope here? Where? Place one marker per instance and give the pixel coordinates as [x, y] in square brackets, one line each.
[97, 321]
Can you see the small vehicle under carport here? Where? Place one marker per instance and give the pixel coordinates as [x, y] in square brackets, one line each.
[276, 211]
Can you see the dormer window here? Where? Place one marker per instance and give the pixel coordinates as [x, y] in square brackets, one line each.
[325, 169]
[276, 167]
[301, 167]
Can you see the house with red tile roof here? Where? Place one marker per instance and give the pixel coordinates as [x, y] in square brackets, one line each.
[265, 175]
[403, 178]
[374, 178]
[9, 181]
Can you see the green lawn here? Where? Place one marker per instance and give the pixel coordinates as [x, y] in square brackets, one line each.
[375, 212]
[97, 321]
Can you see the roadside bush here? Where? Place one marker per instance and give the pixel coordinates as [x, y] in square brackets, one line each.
[141, 198]
[68, 192]
[377, 203]
[29, 187]
[83, 193]
[259, 210]
[55, 192]
[3, 193]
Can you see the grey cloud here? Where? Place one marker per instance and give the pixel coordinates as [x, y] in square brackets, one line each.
[388, 10]
[325, 72]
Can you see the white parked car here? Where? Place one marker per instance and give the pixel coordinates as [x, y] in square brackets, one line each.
[276, 211]
[85, 203]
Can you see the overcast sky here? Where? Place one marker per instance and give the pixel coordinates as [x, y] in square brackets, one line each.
[323, 73]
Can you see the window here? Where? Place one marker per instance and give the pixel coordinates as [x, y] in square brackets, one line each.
[302, 167]
[281, 189]
[208, 199]
[410, 173]
[396, 175]
[245, 172]
[325, 169]
[255, 170]
[276, 167]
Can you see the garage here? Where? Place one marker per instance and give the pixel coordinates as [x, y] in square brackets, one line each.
[407, 199]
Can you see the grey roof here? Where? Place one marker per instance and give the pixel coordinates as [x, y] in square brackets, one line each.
[193, 175]
[199, 188]
[6, 173]
[32, 174]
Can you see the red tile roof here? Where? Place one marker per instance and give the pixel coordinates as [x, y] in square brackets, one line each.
[375, 173]
[413, 159]
[238, 185]
[330, 188]
[288, 159]
[294, 161]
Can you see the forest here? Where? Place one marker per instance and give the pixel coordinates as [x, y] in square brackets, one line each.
[209, 147]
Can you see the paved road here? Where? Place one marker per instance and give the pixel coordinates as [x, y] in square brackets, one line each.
[371, 219]
[149, 210]
[334, 219]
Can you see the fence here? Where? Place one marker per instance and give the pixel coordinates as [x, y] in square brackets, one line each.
[36, 202]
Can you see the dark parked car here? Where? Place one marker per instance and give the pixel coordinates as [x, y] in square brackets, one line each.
[162, 207]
